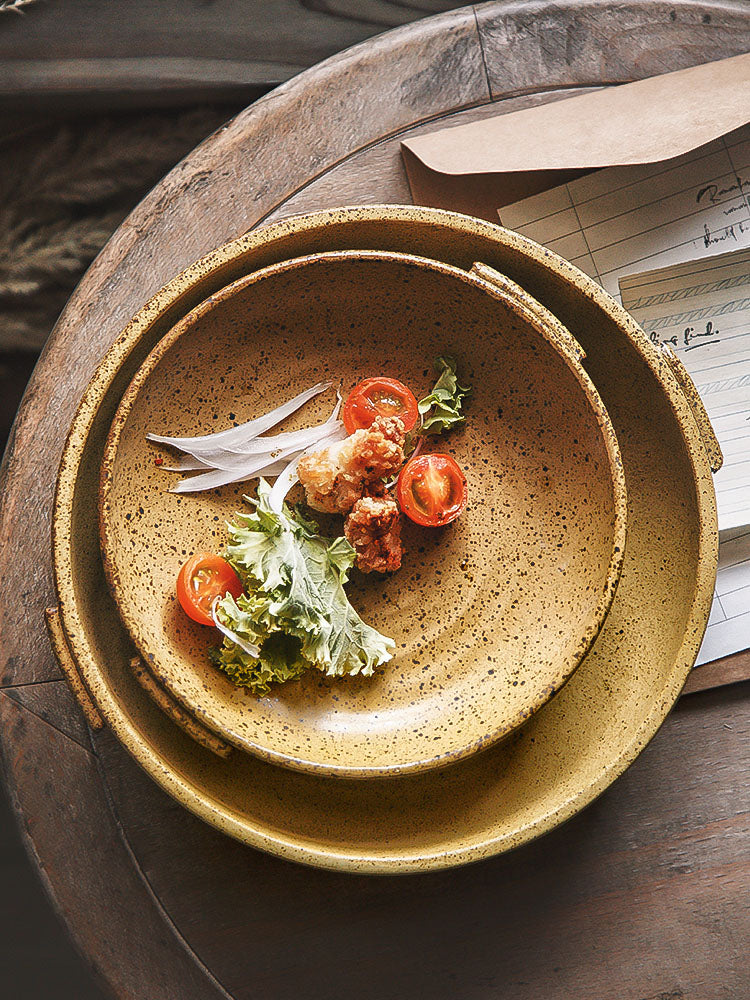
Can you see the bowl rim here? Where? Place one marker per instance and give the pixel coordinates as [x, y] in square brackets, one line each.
[537, 319]
[136, 741]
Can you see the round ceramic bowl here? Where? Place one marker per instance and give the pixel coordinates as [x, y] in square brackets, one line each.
[572, 749]
[490, 615]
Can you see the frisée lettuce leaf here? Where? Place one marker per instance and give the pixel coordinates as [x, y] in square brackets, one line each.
[441, 410]
[295, 607]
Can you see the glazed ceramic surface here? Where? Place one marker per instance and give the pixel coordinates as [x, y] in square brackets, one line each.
[490, 615]
[574, 747]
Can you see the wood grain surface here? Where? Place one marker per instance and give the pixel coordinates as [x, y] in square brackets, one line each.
[71, 832]
[84, 53]
[645, 895]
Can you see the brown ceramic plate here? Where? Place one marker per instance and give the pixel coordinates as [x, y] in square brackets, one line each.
[574, 747]
[490, 615]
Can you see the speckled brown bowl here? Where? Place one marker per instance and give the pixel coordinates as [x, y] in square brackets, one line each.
[490, 615]
[574, 747]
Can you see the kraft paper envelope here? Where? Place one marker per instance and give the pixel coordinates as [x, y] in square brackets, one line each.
[483, 165]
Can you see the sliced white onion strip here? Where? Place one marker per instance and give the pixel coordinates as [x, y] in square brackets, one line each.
[253, 468]
[187, 464]
[302, 438]
[283, 484]
[275, 468]
[268, 449]
[248, 647]
[244, 432]
[191, 465]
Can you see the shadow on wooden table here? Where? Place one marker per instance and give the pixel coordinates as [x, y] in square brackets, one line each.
[36, 957]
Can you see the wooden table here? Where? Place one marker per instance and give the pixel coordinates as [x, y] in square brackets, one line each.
[644, 895]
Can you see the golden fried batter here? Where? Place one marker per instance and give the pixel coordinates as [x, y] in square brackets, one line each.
[374, 530]
[336, 477]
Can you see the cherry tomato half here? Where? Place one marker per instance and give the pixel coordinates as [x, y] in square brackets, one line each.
[202, 579]
[432, 490]
[379, 397]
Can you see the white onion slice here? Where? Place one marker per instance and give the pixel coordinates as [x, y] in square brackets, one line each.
[252, 469]
[244, 432]
[248, 647]
[192, 465]
[302, 438]
[187, 464]
[275, 468]
[268, 449]
[283, 484]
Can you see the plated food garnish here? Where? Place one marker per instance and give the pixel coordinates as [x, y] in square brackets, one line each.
[278, 598]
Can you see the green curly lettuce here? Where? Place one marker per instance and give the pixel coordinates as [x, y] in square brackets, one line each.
[295, 608]
[279, 660]
[441, 410]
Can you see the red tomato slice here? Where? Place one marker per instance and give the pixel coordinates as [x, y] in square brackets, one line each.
[432, 490]
[379, 397]
[202, 579]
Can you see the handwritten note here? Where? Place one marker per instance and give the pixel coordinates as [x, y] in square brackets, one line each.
[702, 309]
[620, 220]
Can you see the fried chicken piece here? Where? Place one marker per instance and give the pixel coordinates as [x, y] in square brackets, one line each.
[374, 530]
[336, 477]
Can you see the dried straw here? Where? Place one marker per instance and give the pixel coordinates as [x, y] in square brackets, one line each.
[14, 5]
[63, 190]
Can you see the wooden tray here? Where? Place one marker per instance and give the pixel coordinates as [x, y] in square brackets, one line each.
[640, 895]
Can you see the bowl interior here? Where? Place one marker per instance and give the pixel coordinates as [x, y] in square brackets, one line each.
[490, 615]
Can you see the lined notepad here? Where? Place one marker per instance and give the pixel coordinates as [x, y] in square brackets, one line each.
[625, 219]
[702, 310]
[729, 624]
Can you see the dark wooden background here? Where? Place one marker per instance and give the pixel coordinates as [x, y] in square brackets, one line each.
[146, 53]
[98, 100]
